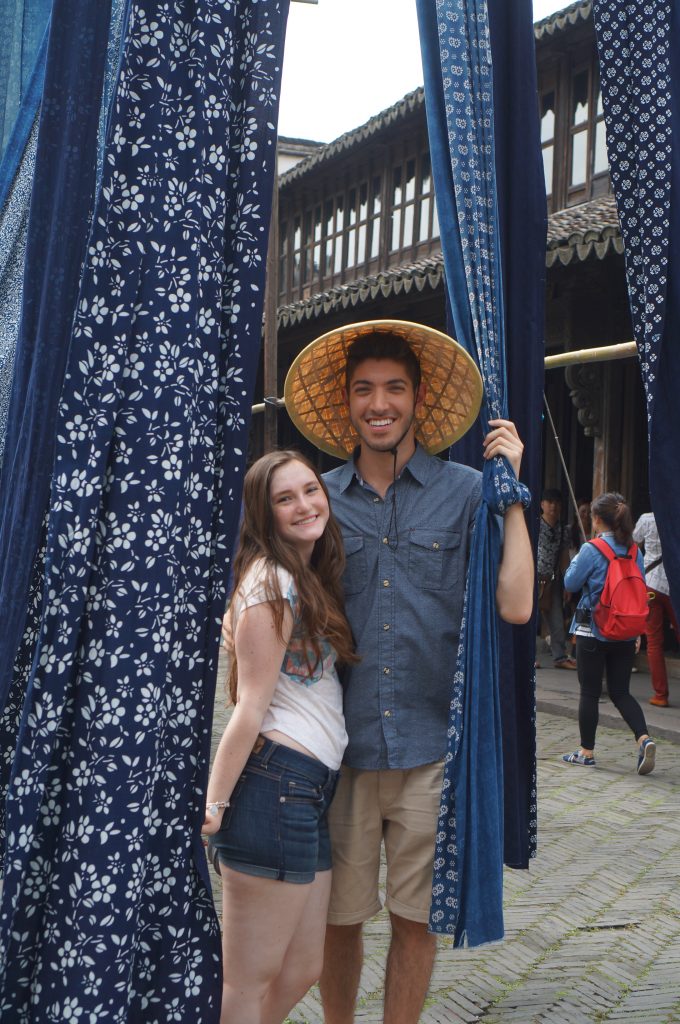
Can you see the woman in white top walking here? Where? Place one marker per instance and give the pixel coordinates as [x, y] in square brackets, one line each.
[660, 607]
[277, 763]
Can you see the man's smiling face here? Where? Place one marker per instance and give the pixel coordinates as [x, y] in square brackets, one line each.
[382, 404]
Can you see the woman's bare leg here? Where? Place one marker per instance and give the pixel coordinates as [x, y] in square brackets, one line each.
[260, 918]
[304, 956]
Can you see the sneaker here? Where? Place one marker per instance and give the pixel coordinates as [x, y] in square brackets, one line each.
[578, 758]
[646, 757]
[659, 702]
[565, 663]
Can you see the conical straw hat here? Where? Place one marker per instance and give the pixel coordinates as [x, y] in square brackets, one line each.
[314, 388]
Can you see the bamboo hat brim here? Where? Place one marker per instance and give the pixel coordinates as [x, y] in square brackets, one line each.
[314, 391]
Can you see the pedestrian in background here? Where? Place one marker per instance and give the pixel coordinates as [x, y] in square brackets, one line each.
[587, 572]
[552, 558]
[660, 607]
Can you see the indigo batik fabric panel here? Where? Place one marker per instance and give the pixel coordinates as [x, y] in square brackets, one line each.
[638, 45]
[107, 913]
[61, 197]
[22, 30]
[522, 218]
[467, 884]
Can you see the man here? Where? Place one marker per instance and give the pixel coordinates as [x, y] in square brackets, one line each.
[553, 557]
[660, 607]
[398, 390]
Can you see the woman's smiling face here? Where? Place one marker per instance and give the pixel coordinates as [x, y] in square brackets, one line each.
[299, 506]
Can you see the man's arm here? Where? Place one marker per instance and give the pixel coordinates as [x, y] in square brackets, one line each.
[516, 577]
[640, 531]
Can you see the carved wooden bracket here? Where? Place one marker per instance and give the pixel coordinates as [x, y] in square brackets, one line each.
[584, 381]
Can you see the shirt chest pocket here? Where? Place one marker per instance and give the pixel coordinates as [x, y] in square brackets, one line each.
[434, 559]
[356, 569]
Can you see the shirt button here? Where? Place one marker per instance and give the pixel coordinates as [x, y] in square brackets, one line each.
[386, 671]
[388, 714]
[436, 545]
[386, 583]
[386, 540]
[376, 499]
[386, 625]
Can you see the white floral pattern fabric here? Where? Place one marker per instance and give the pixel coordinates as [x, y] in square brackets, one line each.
[106, 910]
[633, 42]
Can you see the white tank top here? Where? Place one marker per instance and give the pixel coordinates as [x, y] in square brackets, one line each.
[308, 708]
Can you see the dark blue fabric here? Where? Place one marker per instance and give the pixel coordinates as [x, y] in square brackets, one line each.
[16, 142]
[665, 425]
[59, 224]
[107, 787]
[22, 29]
[642, 112]
[523, 224]
[467, 883]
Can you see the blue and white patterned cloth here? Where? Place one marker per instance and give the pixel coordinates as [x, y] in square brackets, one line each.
[467, 882]
[633, 41]
[107, 913]
[639, 49]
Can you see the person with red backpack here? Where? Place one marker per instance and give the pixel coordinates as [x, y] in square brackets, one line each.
[608, 619]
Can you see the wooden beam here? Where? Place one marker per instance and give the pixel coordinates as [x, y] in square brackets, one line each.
[604, 354]
[270, 354]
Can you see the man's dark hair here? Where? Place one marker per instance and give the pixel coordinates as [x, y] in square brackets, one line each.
[381, 345]
[551, 494]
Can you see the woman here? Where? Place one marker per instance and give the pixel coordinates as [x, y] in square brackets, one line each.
[277, 763]
[611, 520]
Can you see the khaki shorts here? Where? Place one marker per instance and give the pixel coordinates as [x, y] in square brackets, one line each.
[399, 807]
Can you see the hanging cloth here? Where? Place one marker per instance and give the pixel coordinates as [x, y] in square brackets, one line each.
[106, 794]
[58, 227]
[22, 34]
[639, 50]
[523, 225]
[467, 882]
[17, 165]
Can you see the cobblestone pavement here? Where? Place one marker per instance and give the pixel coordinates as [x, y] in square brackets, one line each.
[593, 927]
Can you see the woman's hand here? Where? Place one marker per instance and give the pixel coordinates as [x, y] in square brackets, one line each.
[212, 823]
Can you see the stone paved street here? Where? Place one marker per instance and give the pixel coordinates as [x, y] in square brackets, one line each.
[593, 927]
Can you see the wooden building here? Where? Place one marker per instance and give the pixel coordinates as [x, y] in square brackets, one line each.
[358, 238]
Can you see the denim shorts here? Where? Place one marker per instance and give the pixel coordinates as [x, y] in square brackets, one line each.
[276, 824]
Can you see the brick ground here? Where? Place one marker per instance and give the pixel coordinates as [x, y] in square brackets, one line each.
[593, 927]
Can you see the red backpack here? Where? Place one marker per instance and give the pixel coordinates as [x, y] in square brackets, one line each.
[621, 612]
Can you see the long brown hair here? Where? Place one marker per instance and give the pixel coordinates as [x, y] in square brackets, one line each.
[614, 511]
[318, 584]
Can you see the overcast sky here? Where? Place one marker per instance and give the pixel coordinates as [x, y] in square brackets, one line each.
[346, 60]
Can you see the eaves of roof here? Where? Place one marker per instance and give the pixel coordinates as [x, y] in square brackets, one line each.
[570, 15]
[412, 101]
[581, 231]
[576, 234]
[425, 273]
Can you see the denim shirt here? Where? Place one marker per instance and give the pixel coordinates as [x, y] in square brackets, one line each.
[404, 590]
[588, 570]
